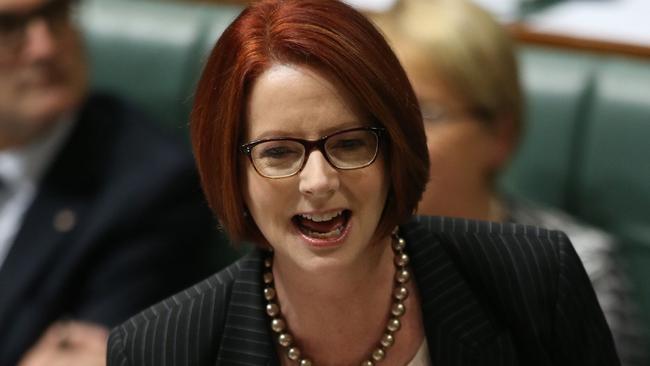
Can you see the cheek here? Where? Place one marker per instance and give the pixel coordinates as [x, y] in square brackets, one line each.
[253, 189]
[451, 157]
[265, 197]
[9, 85]
[374, 183]
[444, 148]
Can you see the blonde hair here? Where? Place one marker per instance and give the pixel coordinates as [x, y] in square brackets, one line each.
[463, 46]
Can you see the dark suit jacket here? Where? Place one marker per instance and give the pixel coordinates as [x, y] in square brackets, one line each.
[492, 294]
[133, 229]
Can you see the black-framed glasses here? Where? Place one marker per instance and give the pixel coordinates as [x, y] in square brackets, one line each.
[13, 26]
[283, 157]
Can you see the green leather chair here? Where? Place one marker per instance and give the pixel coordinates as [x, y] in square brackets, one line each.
[586, 147]
[151, 52]
[612, 183]
[613, 177]
[557, 86]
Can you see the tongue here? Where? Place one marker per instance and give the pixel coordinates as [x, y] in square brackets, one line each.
[324, 226]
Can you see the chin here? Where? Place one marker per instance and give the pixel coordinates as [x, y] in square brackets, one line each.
[53, 107]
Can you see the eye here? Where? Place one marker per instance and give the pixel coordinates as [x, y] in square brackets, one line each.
[348, 144]
[9, 25]
[278, 152]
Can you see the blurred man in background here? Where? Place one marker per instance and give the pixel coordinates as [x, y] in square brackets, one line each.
[100, 214]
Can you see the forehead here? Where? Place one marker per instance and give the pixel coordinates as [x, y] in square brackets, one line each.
[20, 6]
[291, 98]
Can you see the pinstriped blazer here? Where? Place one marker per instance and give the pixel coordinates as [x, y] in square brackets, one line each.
[492, 294]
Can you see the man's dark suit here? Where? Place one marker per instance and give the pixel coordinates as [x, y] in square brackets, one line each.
[118, 223]
[492, 294]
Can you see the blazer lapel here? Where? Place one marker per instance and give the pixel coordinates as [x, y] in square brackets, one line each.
[459, 329]
[247, 337]
[457, 326]
[48, 224]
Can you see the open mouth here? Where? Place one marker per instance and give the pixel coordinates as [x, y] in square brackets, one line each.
[328, 226]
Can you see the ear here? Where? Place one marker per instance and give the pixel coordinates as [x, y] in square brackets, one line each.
[505, 132]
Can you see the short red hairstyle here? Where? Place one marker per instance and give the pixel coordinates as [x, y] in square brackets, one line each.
[328, 36]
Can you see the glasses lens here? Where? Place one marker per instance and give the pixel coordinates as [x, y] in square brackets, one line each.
[11, 29]
[352, 149]
[58, 12]
[277, 158]
[13, 26]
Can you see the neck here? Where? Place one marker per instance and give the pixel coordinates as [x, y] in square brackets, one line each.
[477, 203]
[340, 282]
[346, 310]
[497, 212]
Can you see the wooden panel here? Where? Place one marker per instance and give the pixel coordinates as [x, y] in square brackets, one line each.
[525, 34]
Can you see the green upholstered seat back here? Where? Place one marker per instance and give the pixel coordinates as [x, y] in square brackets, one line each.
[151, 52]
[586, 148]
[612, 187]
[613, 179]
[556, 86]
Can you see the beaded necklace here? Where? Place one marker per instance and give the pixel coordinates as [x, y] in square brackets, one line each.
[400, 293]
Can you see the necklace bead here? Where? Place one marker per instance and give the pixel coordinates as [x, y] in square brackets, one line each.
[401, 293]
[402, 276]
[387, 340]
[269, 293]
[293, 353]
[378, 354]
[285, 339]
[399, 245]
[272, 309]
[393, 325]
[278, 325]
[401, 260]
[398, 309]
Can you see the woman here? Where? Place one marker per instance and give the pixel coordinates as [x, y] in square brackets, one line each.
[462, 66]
[310, 143]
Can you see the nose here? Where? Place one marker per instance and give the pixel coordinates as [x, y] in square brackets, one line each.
[40, 42]
[318, 179]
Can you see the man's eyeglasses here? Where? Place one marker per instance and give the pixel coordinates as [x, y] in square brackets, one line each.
[283, 157]
[13, 26]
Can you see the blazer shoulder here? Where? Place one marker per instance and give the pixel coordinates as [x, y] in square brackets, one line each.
[518, 251]
[506, 264]
[190, 322]
[530, 279]
[462, 226]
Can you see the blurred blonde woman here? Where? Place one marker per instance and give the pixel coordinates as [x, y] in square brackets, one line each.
[462, 66]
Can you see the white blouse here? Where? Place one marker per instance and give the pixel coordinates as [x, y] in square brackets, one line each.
[421, 358]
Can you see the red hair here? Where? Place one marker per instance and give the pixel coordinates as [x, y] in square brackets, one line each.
[330, 37]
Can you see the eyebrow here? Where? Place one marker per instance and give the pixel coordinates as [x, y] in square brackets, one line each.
[278, 134]
[27, 13]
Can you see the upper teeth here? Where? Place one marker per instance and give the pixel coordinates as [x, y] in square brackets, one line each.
[321, 217]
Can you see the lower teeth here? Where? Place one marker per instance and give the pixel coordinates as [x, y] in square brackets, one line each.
[334, 233]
